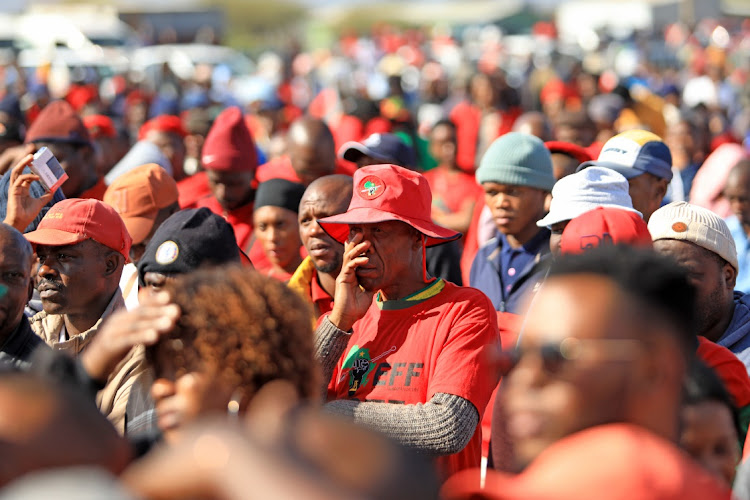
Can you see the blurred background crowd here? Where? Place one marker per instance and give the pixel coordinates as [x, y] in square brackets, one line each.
[588, 76]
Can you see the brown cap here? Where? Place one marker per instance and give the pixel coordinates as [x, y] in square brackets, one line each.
[139, 195]
[58, 122]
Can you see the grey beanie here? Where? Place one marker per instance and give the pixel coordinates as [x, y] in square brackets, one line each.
[518, 159]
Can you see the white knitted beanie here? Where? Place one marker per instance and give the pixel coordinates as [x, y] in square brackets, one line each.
[682, 221]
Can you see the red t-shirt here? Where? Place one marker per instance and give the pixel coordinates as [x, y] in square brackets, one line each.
[406, 355]
[241, 219]
[451, 189]
[192, 189]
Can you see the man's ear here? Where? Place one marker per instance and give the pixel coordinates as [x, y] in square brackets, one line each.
[417, 241]
[660, 189]
[730, 275]
[32, 275]
[113, 263]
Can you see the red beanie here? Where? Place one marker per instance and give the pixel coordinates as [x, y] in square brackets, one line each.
[163, 123]
[229, 145]
[602, 226]
[58, 122]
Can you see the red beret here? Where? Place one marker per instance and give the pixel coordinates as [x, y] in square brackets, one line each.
[229, 145]
[163, 123]
[58, 122]
[573, 150]
[99, 126]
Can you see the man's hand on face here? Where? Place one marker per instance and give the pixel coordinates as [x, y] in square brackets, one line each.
[351, 302]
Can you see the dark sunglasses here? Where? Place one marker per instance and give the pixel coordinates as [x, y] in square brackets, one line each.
[555, 356]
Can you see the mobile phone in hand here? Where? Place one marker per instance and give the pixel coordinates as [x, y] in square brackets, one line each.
[45, 165]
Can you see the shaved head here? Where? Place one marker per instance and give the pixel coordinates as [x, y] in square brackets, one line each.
[740, 171]
[335, 189]
[16, 282]
[737, 192]
[311, 149]
[11, 240]
[307, 130]
[326, 196]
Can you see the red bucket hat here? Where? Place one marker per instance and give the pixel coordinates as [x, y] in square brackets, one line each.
[389, 193]
[604, 226]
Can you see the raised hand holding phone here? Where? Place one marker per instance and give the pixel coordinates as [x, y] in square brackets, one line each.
[50, 172]
[22, 207]
[350, 300]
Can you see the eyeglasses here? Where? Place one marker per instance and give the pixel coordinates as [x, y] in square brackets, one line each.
[555, 356]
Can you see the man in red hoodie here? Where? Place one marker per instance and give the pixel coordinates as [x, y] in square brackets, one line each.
[230, 161]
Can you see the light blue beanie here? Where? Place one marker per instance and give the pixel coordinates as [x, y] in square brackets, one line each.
[518, 159]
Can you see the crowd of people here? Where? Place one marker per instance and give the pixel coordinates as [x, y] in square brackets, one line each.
[410, 266]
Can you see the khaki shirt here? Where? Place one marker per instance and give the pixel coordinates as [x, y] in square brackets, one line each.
[113, 399]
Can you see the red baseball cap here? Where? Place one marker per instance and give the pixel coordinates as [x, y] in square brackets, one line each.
[573, 150]
[604, 225]
[74, 220]
[58, 122]
[163, 123]
[389, 193]
[99, 126]
[229, 145]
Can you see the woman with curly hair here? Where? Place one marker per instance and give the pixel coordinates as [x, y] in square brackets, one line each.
[237, 330]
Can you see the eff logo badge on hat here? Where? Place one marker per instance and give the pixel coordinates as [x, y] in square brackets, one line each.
[371, 187]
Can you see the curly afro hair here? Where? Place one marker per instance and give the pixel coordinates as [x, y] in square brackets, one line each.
[240, 328]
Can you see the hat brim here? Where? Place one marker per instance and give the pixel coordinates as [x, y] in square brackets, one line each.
[562, 216]
[627, 172]
[337, 226]
[54, 237]
[139, 226]
[353, 151]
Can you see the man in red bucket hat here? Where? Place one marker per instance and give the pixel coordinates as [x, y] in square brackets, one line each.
[405, 353]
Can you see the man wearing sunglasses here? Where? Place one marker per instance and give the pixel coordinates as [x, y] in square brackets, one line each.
[593, 391]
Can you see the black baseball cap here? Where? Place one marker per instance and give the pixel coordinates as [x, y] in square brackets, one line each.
[388, 148]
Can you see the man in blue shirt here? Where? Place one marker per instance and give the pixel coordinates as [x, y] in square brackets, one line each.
[516, 176]
[737, 192]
